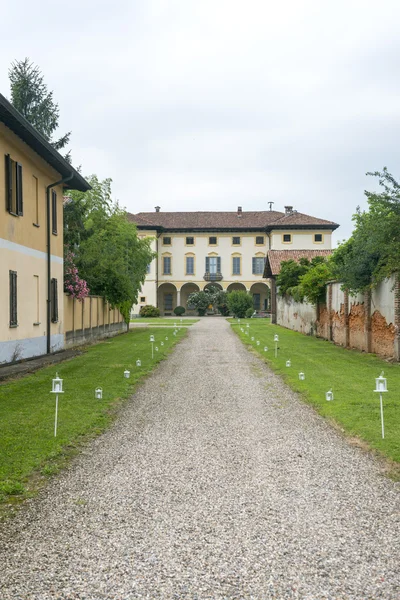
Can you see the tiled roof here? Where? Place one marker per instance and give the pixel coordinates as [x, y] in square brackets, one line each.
[276, 257]
[268, 219]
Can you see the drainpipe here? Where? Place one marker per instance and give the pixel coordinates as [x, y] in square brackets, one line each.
[64, 180]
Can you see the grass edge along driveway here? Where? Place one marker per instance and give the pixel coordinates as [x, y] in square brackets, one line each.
[29, 452]
[349, 373]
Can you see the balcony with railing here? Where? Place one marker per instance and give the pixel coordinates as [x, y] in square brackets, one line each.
[212, 276]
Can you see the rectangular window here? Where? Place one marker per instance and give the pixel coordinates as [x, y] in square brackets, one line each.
[258, 265]
[36, 292]
[287, 238]
[318, 237]
[212, 241]
[54, 300]
[142, 299]
[13, 299]
[167, 301]
[236, 241]
[167, 265]
[35, 189]
[54, 211]
[190, 265]
[260, 240]
[236, 265]
[189, 241]
[166, 241]
[14, 195]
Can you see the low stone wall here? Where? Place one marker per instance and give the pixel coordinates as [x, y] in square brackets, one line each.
[369, 322]
[89, 320]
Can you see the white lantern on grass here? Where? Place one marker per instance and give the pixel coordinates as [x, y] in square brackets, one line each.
[98, 393]
[302, 376]
[138, 363]
[127, 374]
[329, 395]
[288, 363]
[57, 385]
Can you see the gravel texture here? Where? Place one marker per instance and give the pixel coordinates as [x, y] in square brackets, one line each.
[216, 482]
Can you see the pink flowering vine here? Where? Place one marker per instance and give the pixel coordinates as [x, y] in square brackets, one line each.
[73, 284]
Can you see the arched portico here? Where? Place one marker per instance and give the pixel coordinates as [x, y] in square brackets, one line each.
[186, 290]
[167, 298]
[236, 287]
[212, 284]
[261, 296]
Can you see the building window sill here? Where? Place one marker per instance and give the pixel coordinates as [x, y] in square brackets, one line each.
[13, 326]
[36, 324]
[36, 224]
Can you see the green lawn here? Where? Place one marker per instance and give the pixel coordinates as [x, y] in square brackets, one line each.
[28, 448]
[349, 373]
[162, 321]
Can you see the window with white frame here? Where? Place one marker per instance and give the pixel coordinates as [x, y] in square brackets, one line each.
[189, 265]
[236, 265]
[258, 265]
[167, 265]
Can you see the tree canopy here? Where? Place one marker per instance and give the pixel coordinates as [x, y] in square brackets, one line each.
[108, 253]
[373, 251]
[30, 96]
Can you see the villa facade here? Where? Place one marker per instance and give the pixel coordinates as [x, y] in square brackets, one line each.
[223, 249]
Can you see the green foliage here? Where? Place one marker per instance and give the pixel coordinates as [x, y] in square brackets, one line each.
[290, 274]
[109, 254]
[201, 301]
[238, 302]
[223, 309]
[179, 310]
[249, 313]
[312, 284]
[149, 311]
[30, 96]
[373, 251]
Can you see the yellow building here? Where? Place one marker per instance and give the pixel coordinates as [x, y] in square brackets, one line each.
[223, 249]
[32, 180]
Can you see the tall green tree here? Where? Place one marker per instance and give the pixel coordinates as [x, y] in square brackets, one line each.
[31, 97]
[108, 252]
[372, 253]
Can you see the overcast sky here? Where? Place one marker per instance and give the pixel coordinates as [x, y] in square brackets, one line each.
[211, 104]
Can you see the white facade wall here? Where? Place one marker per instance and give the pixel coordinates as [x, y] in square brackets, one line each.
[382, 300]
[300, 240]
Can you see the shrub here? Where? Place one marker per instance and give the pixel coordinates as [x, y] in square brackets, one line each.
[179, 310]
[223, 309]
[249, 312]
[200, 301]
[238, 303]
[149, 311]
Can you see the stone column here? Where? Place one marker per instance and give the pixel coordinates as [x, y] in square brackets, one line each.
[273, 300]
[178, 297]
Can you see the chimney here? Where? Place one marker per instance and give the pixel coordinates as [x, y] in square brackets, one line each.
[270, 205]
[288, 210]
[157, 208]
[239, 211]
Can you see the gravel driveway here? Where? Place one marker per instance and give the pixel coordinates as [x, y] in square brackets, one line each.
[216, 482]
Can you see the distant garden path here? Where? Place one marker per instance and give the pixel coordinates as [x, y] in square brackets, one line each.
[216, 482]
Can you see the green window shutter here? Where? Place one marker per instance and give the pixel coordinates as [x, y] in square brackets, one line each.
[20, 207]
[54, 211]
[207, 264]
[8, 183]
[54, 301]
[218, 264]
[13, 299]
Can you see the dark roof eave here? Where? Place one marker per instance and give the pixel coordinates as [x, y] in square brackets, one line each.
[325, 227]
[24, 130]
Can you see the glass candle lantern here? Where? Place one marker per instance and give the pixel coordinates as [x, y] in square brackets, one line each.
[127, 374]
[98, 393]
[302, 376]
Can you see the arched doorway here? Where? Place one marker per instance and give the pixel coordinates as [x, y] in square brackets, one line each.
[261, 296]
[186, 290]
[236, 287]
[167, 298]
[212, 284]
